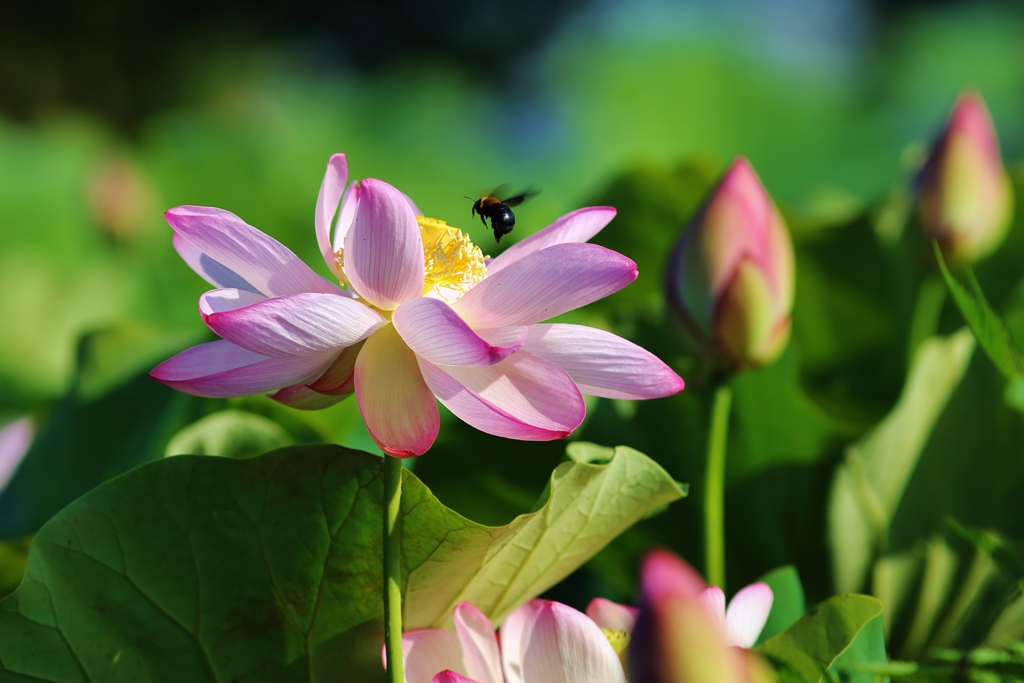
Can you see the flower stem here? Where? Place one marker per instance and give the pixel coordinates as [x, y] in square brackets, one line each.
[393, 567]
[714, 489]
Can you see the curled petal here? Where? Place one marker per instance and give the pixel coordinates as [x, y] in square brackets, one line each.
[611, 615]
[383, 248]
[331, 189]
[479, 644]
[221, 300]
[427, 652]
[260, 260]
[561, 645]
[523, 397]
[511, 637]
[577, 226]
[397, 407]
[545, 284]
[346, 215]
[603, 364]
[15, 439]
[298, 325]
[301, 397]
[214, 272]
[339, 378]
[435, 332]
[221, 369]
[747, 614]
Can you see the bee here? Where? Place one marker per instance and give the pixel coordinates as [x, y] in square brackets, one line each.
[499, 211]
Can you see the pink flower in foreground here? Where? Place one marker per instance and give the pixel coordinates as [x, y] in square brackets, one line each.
[964, 194]
[422, 316]
[682, 633]
[541, 642]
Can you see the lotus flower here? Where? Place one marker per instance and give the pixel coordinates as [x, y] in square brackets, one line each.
[541, 642]
[730, 276]
[964, 194]
[682, 633]
[419, 314]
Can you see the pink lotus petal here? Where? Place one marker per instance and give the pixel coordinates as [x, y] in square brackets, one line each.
[212, 271]
[663, 575]
[397, 407]
[523, 397]
[15, 440]
[577, 226]
[221, 300]
[561, 645]
[331, 189]
[260, 260]
[747, 614]
[298, 325]
[511, 638]
[383, 248]
[301, 397]
[346, 215]
[545, 284]
[427, 652]
[449, 676]
[221, 369]
[611, 615]
[436, 333]
[712, 599]
[603, 364]
[479, 644]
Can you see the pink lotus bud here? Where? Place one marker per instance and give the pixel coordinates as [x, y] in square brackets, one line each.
[964, 194]
[731, 274]
[677, 639]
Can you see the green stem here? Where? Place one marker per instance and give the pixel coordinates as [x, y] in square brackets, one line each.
[393, 567]
[714, 489]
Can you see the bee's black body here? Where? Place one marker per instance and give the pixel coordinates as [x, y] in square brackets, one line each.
[502, 218]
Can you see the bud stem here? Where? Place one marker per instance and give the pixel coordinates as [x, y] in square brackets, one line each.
[714, 489]
[393, 568]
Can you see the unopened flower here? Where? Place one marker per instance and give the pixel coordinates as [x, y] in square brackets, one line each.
[420, 314]
[541, 642]
[730, 276]
[964, 194]
[679, 635]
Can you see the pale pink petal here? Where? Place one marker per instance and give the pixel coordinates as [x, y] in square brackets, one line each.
[221, 300]
[449, 676]
[561, 645]
[612, 615]
[302, 397]
[426, 653]
[577, 226]
[479, 644]
[399, 411]
[15, 439]
[436, 333]
[222, 370]
[603, 364]
[747, 614]
[346, 215]
[712, 600]
[212, 271]
[298, 325]
[331, 189]
[545, 284]
[260, 260]
[523, 397]
[383, 248]
[511, 638]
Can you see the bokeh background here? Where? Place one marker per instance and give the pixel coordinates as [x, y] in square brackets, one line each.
[112, 112]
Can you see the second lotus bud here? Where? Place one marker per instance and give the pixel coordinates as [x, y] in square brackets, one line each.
[730, 276]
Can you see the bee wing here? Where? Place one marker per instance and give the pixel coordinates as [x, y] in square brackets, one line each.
[520, 198]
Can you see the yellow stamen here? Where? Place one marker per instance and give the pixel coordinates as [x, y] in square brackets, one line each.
[452, 263]
[619, 640]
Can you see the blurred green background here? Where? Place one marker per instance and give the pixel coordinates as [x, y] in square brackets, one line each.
[112, 113]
